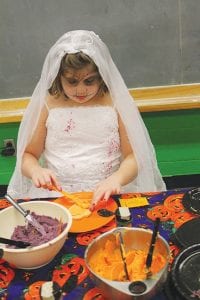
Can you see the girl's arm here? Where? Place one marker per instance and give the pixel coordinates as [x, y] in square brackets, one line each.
[128, 169]
[126, 173]
[30, 160]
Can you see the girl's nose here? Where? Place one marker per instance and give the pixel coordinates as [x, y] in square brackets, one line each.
[81, 90]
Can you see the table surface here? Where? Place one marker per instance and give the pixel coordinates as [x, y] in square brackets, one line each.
[68, 270]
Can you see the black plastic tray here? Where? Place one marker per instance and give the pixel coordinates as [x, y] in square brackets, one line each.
[185, 272]
[188, 234]
[191, 200]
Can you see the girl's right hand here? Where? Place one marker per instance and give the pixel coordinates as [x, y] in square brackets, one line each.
[43, 177]
[105, 188]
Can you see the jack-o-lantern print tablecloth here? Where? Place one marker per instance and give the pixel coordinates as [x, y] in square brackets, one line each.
[68, 271]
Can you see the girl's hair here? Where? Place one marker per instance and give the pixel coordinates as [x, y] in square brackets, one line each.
[74, 61]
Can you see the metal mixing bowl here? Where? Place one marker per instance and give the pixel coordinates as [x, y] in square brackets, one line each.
[134, 238]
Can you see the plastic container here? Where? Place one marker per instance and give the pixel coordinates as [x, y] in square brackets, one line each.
[123, 217]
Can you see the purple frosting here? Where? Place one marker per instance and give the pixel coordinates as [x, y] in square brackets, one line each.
[52, 226]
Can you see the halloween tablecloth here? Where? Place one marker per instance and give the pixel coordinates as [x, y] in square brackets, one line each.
[68, 271]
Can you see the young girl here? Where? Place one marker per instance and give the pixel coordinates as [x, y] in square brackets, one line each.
[82, 130]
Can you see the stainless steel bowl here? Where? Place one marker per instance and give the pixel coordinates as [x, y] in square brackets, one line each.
[134, 238]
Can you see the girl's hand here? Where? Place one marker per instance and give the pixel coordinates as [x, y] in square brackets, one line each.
[43, 177]
[105, 188]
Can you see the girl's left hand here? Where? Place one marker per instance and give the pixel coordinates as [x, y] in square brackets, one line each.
[105, 188]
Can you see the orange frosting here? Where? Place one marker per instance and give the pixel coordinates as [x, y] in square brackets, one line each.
[107, 263]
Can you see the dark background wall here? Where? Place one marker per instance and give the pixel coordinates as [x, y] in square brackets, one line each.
[153, 42]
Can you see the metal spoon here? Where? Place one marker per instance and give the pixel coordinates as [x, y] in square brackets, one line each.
[123, 255]
[151, 248]
[27, 215]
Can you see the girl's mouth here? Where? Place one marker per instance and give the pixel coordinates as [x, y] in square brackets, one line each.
[81, 97]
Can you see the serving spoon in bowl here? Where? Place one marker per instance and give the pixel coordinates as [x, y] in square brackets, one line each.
[26, 214]
[151, 248]
[18, 244]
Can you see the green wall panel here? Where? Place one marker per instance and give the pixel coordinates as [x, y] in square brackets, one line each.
[175, 135]
[7, 167]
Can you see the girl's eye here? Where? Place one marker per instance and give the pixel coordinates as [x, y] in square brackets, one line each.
[91, 80]
[72, 81]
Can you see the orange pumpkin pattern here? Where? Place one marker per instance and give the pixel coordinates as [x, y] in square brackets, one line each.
[93, 294]
[33, 292]
[6, 275]
[171, 209]
[68, 270]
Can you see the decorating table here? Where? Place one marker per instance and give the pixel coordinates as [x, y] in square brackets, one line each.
[68, 271]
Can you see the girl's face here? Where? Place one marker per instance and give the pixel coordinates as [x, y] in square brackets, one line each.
[81, 85]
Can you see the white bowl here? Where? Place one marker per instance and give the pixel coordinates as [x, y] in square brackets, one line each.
[33, 257]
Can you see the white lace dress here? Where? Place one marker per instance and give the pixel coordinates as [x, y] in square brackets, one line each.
[82, 145]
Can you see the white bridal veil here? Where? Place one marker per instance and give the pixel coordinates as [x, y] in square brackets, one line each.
[149, 177]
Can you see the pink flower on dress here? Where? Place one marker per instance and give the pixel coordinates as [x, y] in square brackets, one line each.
[70, 126]
[107, 168]
[113, 147]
